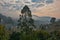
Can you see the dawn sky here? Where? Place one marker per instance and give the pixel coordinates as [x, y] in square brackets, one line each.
[12, 8]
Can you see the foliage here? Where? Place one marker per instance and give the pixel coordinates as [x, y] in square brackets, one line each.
[52, 20]
[26, 22]
[34, 35]
[15, 36]
[42, 35]
[55, 35]
[27, 32]
[4, 35]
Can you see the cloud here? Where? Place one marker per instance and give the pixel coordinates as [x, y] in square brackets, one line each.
[49, 1]
[52, 10]
[38, 1]
[17, 4]
[37, 6]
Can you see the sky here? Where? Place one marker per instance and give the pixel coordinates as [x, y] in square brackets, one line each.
[39, 8]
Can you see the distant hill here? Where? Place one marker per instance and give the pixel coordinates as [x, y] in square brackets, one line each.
[38, 20]
[41, 20]
[5, 19]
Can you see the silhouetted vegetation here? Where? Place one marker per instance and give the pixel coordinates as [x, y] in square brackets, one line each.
[15, 36]
[53, 20]
[26, 30]
[26, 23]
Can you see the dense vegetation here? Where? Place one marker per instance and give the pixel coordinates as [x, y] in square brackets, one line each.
[26, 29]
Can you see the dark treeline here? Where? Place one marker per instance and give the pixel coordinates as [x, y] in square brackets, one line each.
[26, 29]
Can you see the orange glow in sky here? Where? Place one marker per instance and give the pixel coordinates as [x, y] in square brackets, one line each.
[50, 10]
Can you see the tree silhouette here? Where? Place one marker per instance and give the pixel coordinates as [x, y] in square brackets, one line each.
[52, 20]
[25, 21]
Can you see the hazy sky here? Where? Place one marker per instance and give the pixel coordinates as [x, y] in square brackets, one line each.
[12, 8]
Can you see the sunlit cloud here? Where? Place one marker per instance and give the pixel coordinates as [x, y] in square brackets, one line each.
[38, 7]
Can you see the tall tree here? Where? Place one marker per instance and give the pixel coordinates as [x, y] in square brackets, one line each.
[26, 22]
